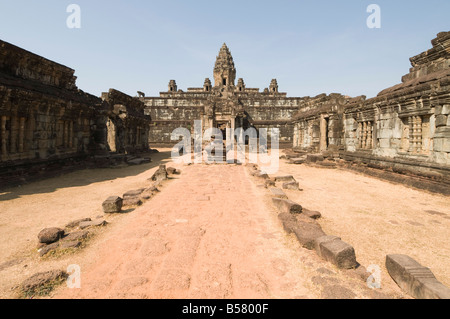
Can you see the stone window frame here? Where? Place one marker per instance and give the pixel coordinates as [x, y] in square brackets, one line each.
[415, 120]
[365, 133]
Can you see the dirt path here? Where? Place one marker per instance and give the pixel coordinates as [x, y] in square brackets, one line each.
[209, 234]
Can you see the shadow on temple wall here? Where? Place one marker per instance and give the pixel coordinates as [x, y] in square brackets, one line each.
[81, 177]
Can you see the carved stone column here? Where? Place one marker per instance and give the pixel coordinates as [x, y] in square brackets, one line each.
[411, 133]
[13, 134]
[21, 134]
[419, 134]
[3, 131]
[360, 130]
[369, 135]
[364, 135]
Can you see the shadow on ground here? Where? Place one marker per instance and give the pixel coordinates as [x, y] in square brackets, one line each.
[82, 177]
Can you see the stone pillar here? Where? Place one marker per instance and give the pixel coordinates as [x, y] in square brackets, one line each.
[66, 134]
[323, 133]
[411, 134]
[419, 134]
[13, 134]
[70, 134]
[21, 134]
[364, 135]
[369, 135]
[3, 132]
[360, 130]
[233, 127]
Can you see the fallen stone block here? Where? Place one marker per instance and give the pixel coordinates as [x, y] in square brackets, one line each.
[50, 235]
[31, 285]
[339, 253]
[287, 178]
[288, 221]
[323, 239]
[75, 223]
[260, 174]
[269, 183]
[70, 244]
[48, 248]
[160, 174]
[132, 201]
[415, 279]
[133, 193]
[313, 158]
[173, 171]
[286, 206]
[276, 192]
[112, 205]
[297, 161]
[291, 185]
[79, 235]
[307, 231]
[94, 223]
[311, 214]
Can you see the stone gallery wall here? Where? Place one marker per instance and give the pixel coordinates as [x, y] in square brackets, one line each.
[46, 123]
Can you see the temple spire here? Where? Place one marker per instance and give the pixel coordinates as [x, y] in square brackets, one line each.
[224, 70]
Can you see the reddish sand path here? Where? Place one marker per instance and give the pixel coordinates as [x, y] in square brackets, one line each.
[208, 234]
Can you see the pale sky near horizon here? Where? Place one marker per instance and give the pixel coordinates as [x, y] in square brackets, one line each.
[310, 47]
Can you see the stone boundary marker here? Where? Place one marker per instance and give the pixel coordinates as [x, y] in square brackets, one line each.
[415, 279]
[303, 224]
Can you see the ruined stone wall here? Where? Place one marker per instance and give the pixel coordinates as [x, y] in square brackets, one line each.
[180, 109]
[405, 128]
[44, 117]
[128, 125]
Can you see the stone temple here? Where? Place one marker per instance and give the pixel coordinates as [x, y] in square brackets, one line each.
[47, 123]
[227, 104]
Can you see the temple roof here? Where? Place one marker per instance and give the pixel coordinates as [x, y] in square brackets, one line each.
[224, 59]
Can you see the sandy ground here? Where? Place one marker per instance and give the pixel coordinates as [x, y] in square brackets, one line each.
[211, 233]
[377, 217]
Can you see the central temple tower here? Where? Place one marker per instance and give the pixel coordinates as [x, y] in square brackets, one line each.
[224, 70]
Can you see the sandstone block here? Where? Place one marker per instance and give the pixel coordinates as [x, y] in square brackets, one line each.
[415, 279]
[75, 223]
[33, 283]
[79, 235]
[94, 223]
[287, 178]
[288, 221]
[48, 248]
[339, 253]
[307, 231]
[112, 205]
[133, 193]
[291, 185]
[160, 174]
[132, 201]
[286, 206]
[173, 171]
[50, 235]
[311, 214]
[276, 192]
[313, 158]
[323, 239]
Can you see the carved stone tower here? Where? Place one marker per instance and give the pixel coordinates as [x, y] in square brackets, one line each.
[224, 70]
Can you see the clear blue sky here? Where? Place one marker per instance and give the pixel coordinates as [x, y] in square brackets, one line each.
[311, 47]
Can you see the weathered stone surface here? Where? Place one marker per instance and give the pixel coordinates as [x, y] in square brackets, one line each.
[112, 205]
[313, 158]
[288, 221]
[160, 174]
[286, 206]
[276, 192]
[70, 244]
[132, 201]
[311, 214]
[79, 235]
[307, 231]
[339, 253]
[323, 239]
[94, 223]
[269, 183]
[291, 185]
[48, 248]
[173, 171]
[415, 279]
[133, 193]
[33, 283]
[287, 178]
[77, 222]
[50, 235]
